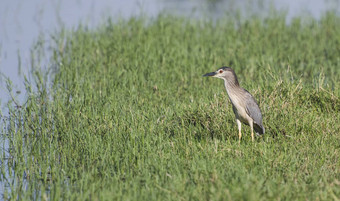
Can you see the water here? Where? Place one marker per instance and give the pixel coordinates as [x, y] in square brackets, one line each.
[25, 22]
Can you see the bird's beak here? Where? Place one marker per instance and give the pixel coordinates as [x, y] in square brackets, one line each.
[210, 74]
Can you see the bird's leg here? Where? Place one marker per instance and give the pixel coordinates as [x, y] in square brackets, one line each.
[239, 124]
[252, 130]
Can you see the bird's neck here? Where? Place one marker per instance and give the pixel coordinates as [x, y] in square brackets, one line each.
[232, 86]
[233, 90]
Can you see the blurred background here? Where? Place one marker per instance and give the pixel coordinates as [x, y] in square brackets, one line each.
[26, 24]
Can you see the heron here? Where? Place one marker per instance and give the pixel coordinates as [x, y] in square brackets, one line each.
[245, 107]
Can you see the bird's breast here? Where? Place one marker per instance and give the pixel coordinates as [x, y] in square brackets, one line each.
[239, 107]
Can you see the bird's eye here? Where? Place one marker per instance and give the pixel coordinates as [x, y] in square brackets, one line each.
[221, 71]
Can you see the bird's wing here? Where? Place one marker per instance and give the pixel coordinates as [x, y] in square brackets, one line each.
[254, 112]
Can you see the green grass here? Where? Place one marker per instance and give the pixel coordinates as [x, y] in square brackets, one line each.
[128, 115]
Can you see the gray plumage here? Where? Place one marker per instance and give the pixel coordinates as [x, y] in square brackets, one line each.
[254, 112]
[245, 107]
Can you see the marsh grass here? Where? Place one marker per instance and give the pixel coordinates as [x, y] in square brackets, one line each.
[128, 115]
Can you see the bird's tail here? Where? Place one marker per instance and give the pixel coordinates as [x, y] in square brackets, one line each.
[259, 129]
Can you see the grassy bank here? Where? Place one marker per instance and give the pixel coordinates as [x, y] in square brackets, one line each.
[128, 115]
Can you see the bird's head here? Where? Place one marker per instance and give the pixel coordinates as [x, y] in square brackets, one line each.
[223, 73]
